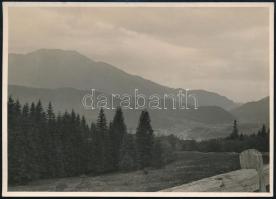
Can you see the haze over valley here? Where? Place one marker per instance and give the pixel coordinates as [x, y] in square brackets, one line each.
[64, 77]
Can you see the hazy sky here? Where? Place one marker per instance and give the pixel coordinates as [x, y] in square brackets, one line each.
[225, 50]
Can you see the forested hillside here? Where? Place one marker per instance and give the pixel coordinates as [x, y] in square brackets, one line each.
[45, 145]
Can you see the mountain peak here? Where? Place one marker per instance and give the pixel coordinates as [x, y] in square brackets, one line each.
[45, 52]
[56, 68]
[54, 51]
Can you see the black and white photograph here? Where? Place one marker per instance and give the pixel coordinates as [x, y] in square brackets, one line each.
[137, 99]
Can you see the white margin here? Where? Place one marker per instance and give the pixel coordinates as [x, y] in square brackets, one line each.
[6, 5]
[5, 103]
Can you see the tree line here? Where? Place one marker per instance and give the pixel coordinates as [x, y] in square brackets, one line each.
[235, 142]
[42, 144]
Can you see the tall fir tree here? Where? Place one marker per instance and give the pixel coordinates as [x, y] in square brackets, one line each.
[99, 141]
[235, 131]
[34, 144]
[51, 141]
[117, 132]
[144, 140]
[44, 140]
[25, 129]
[16, 150]
[59, 147]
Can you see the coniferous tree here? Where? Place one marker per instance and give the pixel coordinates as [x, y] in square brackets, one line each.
[75, 144]
[235, 132]
[25, 130]
[51, 141]
[104, 136]
[117, 133]
[19, 153]
[59, 147]
[98, 143]
[144, 140]
[127, 153]
[11, 113]
[50, 113]
[34, 144]
[43, 157]
[71, 147]
[16, 156]
[11, 139]
[92, 164]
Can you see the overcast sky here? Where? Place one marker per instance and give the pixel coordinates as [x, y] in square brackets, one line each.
[225, 50]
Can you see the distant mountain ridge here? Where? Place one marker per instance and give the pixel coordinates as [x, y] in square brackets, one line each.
[64, 77]
[54, 68]
[253, 112]
[69, 98]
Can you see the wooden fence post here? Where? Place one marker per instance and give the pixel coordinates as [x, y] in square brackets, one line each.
[252, 159]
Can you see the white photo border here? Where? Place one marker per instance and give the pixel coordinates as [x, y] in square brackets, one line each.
[7, 5]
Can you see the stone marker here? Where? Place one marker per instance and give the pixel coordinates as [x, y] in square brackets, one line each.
[252, 159]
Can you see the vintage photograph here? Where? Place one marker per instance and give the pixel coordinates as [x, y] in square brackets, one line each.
[137, 99]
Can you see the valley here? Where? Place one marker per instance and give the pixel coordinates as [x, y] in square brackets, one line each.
[212, 119]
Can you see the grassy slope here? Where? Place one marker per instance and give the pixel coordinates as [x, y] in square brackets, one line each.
[188, 167]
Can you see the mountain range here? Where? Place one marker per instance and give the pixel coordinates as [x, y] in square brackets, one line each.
[64, 77]
[52, 68]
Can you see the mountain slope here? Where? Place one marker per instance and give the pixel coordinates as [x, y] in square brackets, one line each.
[69, 98]
[58, 68]
[253, 112]
[207, 98]
[53, 68]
